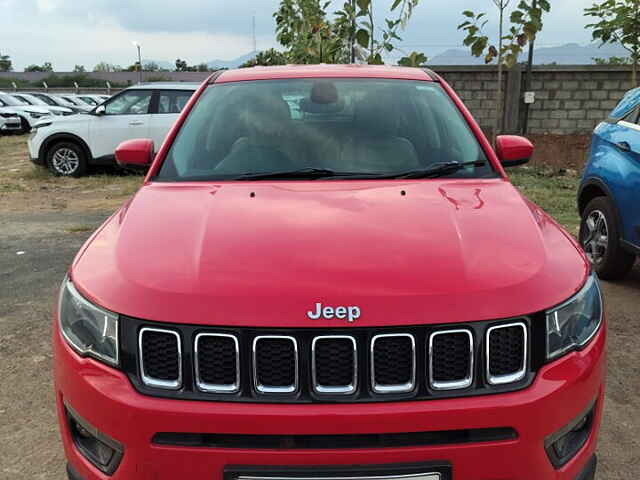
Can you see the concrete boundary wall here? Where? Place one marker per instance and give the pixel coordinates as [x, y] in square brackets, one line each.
[569, 99]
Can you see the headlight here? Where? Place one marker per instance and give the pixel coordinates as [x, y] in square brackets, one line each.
[575, 322]
[90, 330]
[57, 112]
[37, 115]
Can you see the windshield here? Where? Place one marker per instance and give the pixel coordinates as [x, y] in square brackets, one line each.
[62, 101]
[32, 100]
[327, 128]
[8, 100]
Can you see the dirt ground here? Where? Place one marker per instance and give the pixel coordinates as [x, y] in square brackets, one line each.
[43, 222]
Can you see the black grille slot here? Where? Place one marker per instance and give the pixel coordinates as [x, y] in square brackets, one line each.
[450, 357]
[160, 355]
[506, 350]
[334, 362]
[217, 361]
[393, 361]
[275, 360]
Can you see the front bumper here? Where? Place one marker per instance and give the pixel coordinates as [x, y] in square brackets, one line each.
[11, 124]
[105, 398]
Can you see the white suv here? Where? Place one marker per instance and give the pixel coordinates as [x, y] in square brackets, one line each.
[69, 145]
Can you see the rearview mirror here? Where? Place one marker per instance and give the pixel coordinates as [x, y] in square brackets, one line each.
[135, 153]
[513, 150]
[100, 110]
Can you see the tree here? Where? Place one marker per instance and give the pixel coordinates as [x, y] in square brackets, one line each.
[107, 67]
[266, 58]
[612, 61]
[619, 22]
[181, 65]
[150, 67]
[526, 22]
[5, 63]
[79, 69]
[414, 59]
[45, 67]
[311, 35]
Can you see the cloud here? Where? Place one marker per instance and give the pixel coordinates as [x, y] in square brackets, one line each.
[67, 32]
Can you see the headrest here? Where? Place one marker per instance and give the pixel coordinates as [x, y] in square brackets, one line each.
[322, 99]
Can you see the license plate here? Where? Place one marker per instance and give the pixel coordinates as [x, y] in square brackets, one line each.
[417, 476]
[423, 471]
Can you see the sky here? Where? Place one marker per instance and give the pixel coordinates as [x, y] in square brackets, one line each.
[85, 32]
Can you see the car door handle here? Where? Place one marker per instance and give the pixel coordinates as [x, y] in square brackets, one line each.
[136, 122]
[623, 146]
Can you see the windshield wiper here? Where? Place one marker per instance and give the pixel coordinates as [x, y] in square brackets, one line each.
[435, 170]
[303, 173]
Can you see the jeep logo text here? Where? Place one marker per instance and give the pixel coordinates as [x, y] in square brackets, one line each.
[350, 313]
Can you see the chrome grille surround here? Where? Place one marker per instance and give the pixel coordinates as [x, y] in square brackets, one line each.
[346, 389]
[157, 382]
[512, 377]
[217, 388]
[275, 388]
[455, 384]
[400, 388]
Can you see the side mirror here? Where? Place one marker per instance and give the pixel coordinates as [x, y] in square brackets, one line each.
[100, 110]
[135, 153]
[513, 150]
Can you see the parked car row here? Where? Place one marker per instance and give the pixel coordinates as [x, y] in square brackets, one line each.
[69, 145]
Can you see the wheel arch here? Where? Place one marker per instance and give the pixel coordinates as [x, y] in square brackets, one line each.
[63, 137]
[593, 188]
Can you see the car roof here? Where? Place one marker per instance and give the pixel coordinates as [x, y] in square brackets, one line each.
[326, 71]
[166, 86]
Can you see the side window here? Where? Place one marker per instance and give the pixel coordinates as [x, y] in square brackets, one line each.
[173, 101]
[45, 99]
[132, 102]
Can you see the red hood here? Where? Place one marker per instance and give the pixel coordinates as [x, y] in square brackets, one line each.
[444, 251]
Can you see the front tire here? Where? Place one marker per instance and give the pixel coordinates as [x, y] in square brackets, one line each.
[599, 237]
[24, 126]
[66, 159]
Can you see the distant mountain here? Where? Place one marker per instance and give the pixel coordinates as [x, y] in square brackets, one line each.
[231, 63]
[569, 54]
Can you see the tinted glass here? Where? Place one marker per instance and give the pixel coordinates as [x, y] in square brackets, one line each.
[364, 126]
[45, 99]
[8, 100]
[132, 102]
[173, 101]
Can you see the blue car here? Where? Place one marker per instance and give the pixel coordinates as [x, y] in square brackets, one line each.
[609, 194]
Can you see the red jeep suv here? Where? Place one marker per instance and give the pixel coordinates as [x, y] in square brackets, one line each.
[328, 276]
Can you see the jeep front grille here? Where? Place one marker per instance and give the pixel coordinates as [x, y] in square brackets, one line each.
[348, 364]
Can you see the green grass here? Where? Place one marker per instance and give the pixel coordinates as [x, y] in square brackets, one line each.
[79, 228]
[554, 191]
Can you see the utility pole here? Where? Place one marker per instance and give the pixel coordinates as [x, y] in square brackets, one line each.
[137, 45]
[353, 32]
[527, 81]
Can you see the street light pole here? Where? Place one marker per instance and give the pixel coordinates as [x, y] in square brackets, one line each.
[137, 45]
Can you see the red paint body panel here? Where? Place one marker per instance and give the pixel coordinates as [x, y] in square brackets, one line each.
[138, 151]
[560, 392]
[323, 71]
[211, 254]
[447, 251]
[511, 148]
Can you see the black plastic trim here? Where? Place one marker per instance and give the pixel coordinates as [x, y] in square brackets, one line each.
[118, 449]
[630, 247]
[72, 474]
[231, 472]
[373, 440]
[514, 163]
[589, 471]
[305, 393]
[558, 462]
